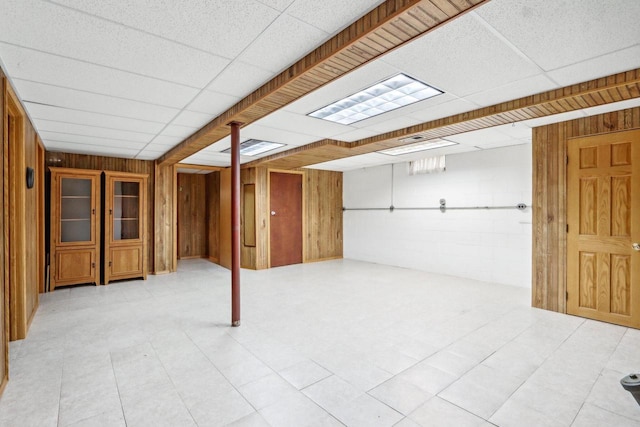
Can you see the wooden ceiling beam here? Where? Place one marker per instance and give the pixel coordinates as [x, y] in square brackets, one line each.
[388, 26]
[614, 88]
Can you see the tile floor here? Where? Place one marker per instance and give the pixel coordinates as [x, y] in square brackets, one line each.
[326, 344]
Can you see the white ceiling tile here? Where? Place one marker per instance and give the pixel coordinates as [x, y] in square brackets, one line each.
[515, 130]
[612, 63]
[555, 118]
[299, 123]
[68, 147]
[333, 15]
[146, 156]
[240, 79]
[488, 145]
[558, 33]
[192, 119]
[279, 5]
[166, 140]
[478, 137]
[462, 57]
[41, 67]
[212, 103]
[83, 130]
[355, 135]
[455, 106]
[283, 43]
[47, 112]
[93, 143]
[209, 160]
[390, 125]
[105, 43]
[178, 131]
[219, 26]
[80, 100]
[514, 90]
[265, 133]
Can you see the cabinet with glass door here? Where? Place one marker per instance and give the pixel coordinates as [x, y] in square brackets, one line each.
[125, 226]
[75, 227]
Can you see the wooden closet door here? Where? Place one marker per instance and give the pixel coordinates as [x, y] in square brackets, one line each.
[603, 212]
[286, 218]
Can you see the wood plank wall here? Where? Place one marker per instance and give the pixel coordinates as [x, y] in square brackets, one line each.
[164, 220]
[192, 225]
[549, 284]
[323, 207]
[83, 161]
[323, 216]
[4, 306]
[21, 242]
[224, 231]
[213, 215]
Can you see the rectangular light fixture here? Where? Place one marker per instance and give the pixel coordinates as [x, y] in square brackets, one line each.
[388, 95]
[420, 146]
[253, 147]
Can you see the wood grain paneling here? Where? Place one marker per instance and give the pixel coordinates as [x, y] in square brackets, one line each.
[386, 27]
[212, 183]
[323, 200]
[164, 219]
[550, 195]
[224, 241]
[4, 282]
[116, 164]
[192, 210]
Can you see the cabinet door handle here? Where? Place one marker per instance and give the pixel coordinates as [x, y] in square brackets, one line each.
[109, 263]
[93, 211]
[93, 265]
[110, 211]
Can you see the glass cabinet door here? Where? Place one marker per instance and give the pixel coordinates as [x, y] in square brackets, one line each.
[76, 210]
[126, 210]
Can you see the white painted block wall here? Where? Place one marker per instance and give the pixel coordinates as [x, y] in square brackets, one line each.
[487, 245]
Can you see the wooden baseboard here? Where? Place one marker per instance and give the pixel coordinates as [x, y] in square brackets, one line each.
[213, 260]
[159, 273]
[191, 257]
[3, 385]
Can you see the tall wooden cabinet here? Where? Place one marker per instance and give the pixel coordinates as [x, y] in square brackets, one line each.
[124, 228]
[75, 227]
[95, 237]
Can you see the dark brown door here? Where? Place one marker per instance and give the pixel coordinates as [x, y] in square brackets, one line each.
[286, 218]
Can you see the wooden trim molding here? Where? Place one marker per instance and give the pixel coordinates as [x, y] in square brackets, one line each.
[549, 277]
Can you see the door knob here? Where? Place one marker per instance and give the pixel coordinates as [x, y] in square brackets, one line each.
[636, 246]
[273, 213]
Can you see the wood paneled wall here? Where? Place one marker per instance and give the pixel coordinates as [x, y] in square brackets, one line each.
[212, 182]
[256, 257]
[322, 221]
[83, 161]
[4, 306]
[323, 209]
[165, 228]
[192, 210]
[224, 231]
[549, 284]
[21, 238]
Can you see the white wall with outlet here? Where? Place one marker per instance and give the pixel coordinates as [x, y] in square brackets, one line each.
[485, 244]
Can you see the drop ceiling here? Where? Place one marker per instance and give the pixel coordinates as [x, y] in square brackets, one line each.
[134, 79]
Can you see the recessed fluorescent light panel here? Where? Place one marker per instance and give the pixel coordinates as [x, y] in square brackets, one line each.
[388, 95]
[420, 146]
[253, 147]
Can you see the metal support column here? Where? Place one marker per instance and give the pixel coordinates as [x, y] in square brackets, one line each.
[235, 223]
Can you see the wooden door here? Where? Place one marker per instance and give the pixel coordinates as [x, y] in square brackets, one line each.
[603, 212]
[286, 218]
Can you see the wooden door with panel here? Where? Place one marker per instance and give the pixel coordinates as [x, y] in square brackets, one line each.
[603, 215]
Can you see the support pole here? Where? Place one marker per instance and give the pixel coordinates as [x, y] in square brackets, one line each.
[235, 223]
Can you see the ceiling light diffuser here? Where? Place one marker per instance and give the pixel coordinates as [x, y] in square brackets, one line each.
[253, 147]
[388, 95]
[420, 146]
